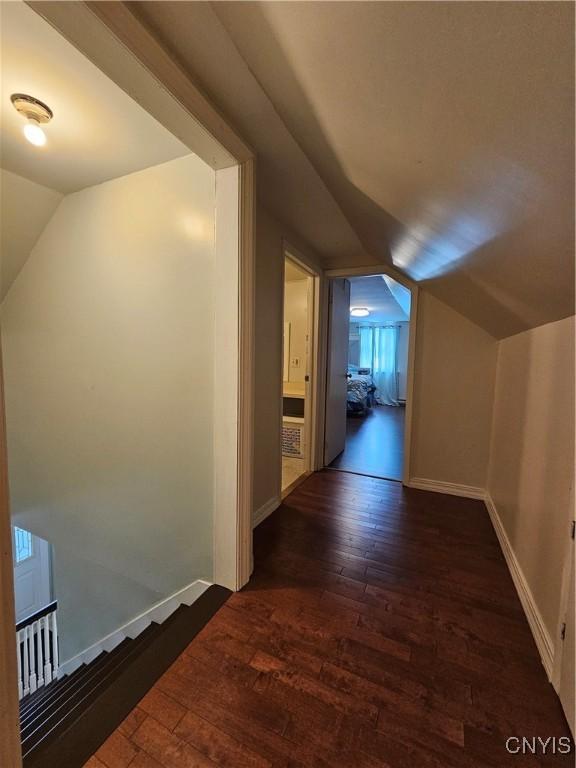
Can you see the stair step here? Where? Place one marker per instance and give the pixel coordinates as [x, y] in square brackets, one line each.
[87, 705]
[62, 689]
[69, 703]
[30, 701]
[57, 688]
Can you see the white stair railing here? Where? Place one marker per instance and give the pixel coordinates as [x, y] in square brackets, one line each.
[37, 645]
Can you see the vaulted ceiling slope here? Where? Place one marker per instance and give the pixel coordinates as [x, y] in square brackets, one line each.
[288, 184]
[437, 137]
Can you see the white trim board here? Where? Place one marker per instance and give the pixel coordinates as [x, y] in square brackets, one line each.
[452, 489]
[158, 612]
[539, 631]
[266, 510]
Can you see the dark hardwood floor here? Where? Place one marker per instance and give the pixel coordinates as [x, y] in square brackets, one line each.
[374, 443]
[381, 629]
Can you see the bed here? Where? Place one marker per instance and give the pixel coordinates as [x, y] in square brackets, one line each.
[360, 392]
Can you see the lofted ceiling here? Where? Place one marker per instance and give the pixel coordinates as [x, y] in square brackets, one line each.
[373, 294]
[25, 209]
[98, 132]
[435, 137]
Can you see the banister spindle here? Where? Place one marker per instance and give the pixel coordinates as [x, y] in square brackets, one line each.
[54, 645]
[25, 654]
[19, 638]
[32, 657]
[40, 653]
[37, 650]
[47, 664]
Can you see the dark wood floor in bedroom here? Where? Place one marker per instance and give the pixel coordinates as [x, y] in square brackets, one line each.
[374, 443]
[380, 629]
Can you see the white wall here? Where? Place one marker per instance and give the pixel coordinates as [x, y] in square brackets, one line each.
[532, 455]
[25, 209]
[108, 339]
[454, 370]
[296, 313]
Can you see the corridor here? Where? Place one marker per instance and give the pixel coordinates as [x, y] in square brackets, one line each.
[380, 629]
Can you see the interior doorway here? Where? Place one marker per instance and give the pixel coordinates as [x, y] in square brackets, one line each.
[298, 354]
[367, 375]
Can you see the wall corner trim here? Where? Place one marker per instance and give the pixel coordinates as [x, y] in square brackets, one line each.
[452, 489]
[158, 612]
[265, 510]
[540, 633]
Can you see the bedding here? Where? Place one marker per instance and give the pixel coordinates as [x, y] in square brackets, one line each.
[360, 391]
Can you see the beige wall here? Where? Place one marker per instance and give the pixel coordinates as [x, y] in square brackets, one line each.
[532, 455]
[108, 345]
[454, 371]
[268, 363]
[271, 237]
[25, 209]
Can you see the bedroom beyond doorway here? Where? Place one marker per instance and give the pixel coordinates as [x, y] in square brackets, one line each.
[369, 439]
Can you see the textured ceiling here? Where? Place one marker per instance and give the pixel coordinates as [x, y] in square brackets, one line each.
[438, 137]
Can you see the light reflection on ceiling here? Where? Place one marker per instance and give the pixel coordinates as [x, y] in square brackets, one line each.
[444, 234]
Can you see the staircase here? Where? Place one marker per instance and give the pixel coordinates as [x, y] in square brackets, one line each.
[51, 710]
[65, 722]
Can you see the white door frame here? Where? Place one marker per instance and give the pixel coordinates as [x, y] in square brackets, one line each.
[112, 38]
[315, 389]
[384, 269]
[311, 390]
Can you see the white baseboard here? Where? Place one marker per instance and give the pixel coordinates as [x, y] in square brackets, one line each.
[453, 489]
[158, 612]
[265, 510]
[539, 631]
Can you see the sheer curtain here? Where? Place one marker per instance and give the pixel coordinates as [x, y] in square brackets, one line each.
[366, 335]
[384, 365]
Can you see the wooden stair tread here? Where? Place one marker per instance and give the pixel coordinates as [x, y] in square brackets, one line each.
[64, 723]
[81, 687]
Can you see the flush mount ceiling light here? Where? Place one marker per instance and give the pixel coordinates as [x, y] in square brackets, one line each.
[359, 312]
[36, 113]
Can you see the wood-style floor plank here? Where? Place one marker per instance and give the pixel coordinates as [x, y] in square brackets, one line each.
[381, 629]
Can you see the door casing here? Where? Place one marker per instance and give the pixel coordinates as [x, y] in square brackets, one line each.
[385, 269]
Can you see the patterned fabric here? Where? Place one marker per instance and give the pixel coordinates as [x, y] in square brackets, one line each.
[358, 388]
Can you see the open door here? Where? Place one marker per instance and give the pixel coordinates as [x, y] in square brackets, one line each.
[337, 369]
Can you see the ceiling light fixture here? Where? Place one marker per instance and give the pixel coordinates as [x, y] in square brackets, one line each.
[359, 312]
[36, 113]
